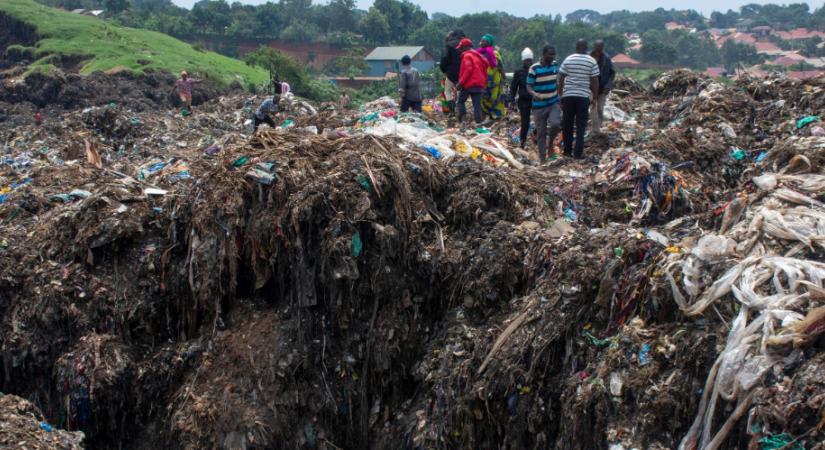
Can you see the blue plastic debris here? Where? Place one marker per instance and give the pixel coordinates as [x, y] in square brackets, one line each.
[432, 150]
[644, 355]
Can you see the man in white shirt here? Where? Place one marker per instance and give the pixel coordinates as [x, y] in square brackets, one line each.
[578, 88]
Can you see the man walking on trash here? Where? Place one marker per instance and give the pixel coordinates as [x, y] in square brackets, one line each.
[542, 85]
[410, 86]
[519, 88]
[578, 88]
[472, 79]
[607, 76]
[450, 65]
[184, 85]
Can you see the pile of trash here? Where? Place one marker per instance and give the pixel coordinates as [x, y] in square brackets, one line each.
[354, 279]
[22, 426]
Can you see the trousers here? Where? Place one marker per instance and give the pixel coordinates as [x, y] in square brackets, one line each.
[525, 107]
[475, 95]
[574, 111]
[547, 119]
[406, 105]
[597, 113]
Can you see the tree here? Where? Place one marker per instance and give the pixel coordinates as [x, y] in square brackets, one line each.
[211, 15]
[375, 27]
[113, 7]
[342, 15]
[300, 30]
[734, 53]
[152, 5]
[657, 48]
[583, 15]
[351, 64]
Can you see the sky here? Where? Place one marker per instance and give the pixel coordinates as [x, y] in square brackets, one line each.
[528, 8]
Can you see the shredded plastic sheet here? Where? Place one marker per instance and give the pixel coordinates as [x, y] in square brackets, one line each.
[776, 290]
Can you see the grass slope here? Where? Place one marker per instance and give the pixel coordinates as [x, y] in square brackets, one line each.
[105, 46]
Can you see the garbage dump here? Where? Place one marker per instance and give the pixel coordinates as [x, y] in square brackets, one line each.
[372, 279]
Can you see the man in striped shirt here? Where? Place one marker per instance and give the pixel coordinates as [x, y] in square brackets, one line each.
[541, 84]
[578, 87]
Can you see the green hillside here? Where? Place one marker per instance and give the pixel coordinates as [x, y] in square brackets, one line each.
[105, 46]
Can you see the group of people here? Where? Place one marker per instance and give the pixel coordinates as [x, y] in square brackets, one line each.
[557, 97]
[475, 74]
[563, 97]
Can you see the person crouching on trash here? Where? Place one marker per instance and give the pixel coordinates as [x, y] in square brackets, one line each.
[267, 107]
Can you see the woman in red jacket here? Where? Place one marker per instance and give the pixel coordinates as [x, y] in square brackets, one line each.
[472, 79]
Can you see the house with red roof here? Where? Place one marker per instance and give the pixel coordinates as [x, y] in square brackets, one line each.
[805, 74]
[767, 48]
[742, 38]
[670, 26]
[715, 72]
[621, 60]
[799, 34]
[784, 61]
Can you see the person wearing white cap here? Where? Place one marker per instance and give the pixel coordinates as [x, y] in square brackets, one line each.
[518, 88]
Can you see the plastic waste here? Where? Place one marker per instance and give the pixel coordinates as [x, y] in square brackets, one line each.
[805, 121]
[738, 154]
[46, 427]
[618, 252]
[644, 354]
[658, 237]
[616, 384]
[261, 176]
[570, 215]
[356, 245]
[185, 112]
[727, 130]
[364, 182]
[432, 151]
[240, 161]
[817, 131]
[151, 170]
[287, 123]
[779, 441]
[212, 150]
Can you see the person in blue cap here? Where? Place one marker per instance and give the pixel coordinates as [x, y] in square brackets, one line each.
[410, 86]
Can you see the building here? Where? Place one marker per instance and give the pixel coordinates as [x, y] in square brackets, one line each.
[741, 38]
[783, 61]
[716, 72]
[88, 12]
[799, 34]
[388, 59]
[360, 82]
[767, 48]
[670, 26]
[805, 74]
[762, 30]
[620, 60]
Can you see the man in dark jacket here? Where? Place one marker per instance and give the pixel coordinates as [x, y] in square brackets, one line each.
[525, 100]
[450, 66]
[410, 86]
[607, 76]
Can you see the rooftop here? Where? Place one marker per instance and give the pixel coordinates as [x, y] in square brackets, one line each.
[392, 53]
